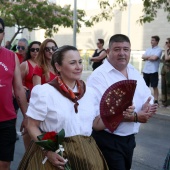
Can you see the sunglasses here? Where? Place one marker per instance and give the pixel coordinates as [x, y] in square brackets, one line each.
[20, 47]
[34, 49]
[1, 30]
[53, 48]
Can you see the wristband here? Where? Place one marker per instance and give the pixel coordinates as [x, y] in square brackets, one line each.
[135, 117]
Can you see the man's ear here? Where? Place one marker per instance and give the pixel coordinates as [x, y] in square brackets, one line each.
[107, 51]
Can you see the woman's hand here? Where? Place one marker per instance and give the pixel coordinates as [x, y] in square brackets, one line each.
[56, 159]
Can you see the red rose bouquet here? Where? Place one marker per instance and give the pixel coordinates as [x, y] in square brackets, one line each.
[52, 141]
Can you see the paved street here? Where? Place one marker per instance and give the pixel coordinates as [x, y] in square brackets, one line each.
[153, 142]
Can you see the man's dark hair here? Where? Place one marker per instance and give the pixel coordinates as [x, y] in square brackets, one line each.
[118, 38]
[156, 38]
[101, 41]
[2, 23]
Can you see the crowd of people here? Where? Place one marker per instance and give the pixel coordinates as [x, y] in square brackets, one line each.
[48, 78]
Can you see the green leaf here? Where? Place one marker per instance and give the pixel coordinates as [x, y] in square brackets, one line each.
[61, 136]
[40, 136]
[47, 145]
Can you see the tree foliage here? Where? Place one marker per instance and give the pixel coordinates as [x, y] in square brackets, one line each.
[150, 8]
[34, 14]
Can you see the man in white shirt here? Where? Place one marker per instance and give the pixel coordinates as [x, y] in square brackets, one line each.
[150, 71]
[117, 147]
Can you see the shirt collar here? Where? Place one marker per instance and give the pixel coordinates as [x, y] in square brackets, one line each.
[109, 67]
[155, 47]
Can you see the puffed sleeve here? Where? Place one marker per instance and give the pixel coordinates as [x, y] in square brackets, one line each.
[37, 108]
[93, 99]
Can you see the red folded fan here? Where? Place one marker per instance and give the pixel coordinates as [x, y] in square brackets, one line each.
[116, 99]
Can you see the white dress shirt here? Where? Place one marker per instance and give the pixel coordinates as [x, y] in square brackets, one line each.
[56, 111]
[152, 66]
[106, 75]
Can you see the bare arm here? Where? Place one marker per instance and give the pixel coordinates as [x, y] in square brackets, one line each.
[36, 80]
[19, 91]
[128, 117]
[100, 57]
[24, 70]
[98, 124]
[33, 129]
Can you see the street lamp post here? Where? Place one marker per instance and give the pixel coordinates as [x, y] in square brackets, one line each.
[129, 12]
[74, 22]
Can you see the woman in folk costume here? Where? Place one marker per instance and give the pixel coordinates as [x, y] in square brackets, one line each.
[65, 103]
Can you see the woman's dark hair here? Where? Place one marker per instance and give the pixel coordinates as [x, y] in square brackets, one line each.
[58, 55]
[101, 41]
[118, 38]
[28, 55]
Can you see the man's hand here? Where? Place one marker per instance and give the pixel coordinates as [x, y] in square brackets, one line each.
[129, 114]
[143, 117]
[147, 111]
[146, 105]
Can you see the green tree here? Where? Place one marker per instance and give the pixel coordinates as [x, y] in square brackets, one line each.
[34, 15]
[150, 8]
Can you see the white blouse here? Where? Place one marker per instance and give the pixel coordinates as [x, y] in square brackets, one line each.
[57, 112]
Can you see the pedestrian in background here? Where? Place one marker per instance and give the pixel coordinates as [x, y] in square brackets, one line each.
[152, 58]
[27, 67]
[99, 54]
[44, 72]
[118, 147]
[165, 75]
[22, 47]
[8, 45]
[10, 78]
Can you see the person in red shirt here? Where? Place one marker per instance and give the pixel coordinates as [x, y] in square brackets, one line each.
[44, 72]
[27, 67]
[10, 78]
[22, 47]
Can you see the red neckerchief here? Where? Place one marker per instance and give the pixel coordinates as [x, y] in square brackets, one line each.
[67, 92]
